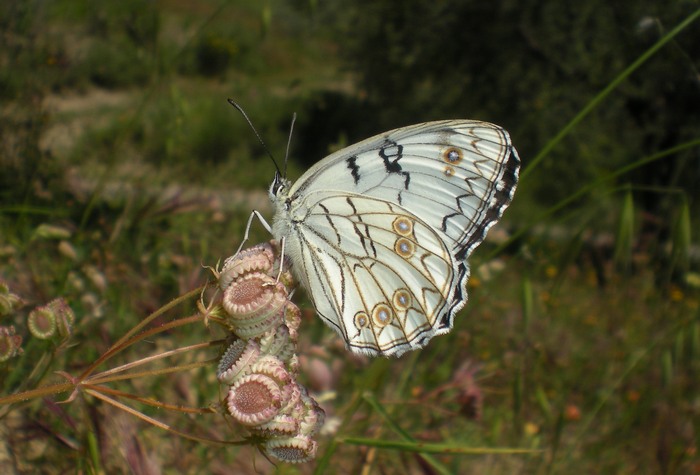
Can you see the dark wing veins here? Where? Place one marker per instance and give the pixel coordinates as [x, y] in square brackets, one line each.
[356, 226]
[330, 221]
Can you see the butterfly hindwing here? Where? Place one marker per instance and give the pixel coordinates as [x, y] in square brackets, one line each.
[383, 271]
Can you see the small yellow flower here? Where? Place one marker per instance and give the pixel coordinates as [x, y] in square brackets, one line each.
[531, 428]
[676, 294]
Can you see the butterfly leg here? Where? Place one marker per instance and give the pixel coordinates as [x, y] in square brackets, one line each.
[279, 273]
[254, 214]
[268, 228]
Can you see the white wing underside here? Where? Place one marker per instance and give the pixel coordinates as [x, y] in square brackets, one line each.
[379, 233]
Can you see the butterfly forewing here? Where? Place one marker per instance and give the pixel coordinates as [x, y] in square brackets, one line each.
[379, 232]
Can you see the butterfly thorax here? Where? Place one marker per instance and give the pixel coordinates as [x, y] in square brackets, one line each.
[288, 214]
[279, 195]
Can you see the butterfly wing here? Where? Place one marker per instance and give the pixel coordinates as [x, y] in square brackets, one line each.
[379, 232]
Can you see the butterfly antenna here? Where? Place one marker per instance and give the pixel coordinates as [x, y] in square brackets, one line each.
[250, 123]
[289, 143]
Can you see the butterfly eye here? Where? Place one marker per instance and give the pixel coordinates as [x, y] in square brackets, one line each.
[278, 186]
[272, 191]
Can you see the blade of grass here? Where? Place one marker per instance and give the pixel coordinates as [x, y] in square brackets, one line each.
[325, 461]
[527, 304]
[606, 91]
[624, 241]
[372, 401]
[587, 188]
[682, 239]
[434, 448]
[517, 389]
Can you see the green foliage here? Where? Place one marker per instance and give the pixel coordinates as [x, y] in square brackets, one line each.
[115, 64]
[681, 239]
[624, 241]
[531, 66]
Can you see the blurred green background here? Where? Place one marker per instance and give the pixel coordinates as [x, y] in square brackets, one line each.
[123, 170]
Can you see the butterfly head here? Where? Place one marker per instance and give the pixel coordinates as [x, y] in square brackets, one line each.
[278, 188]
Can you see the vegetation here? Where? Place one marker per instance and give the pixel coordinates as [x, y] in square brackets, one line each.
[123, 171]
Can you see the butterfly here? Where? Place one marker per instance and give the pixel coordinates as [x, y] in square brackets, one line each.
[379, 233]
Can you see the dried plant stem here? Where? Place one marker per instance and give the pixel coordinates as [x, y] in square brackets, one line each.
[104, 376]
[43, 391]
[148, 401]
[158, 372]
[126, 340]
[156, 422]
[90, 383]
